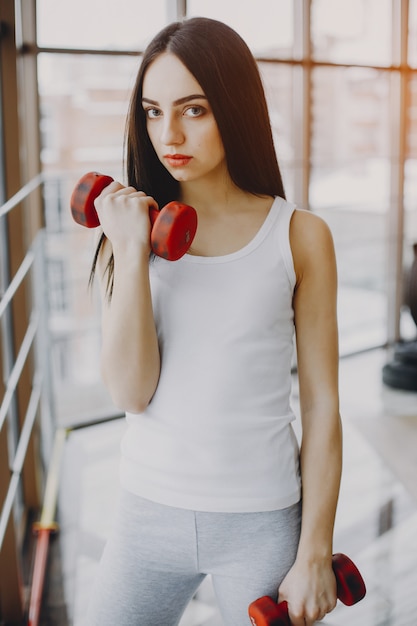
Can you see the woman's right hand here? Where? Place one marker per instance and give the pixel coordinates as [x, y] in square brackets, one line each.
[124, 216]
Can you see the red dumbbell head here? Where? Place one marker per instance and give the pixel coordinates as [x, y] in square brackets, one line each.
[350, 584]
[82, 200]
[266, 612]
[173, 230]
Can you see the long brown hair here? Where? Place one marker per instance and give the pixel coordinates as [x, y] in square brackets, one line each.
[227, 72]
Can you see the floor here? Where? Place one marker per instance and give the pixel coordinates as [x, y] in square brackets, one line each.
[376, 523]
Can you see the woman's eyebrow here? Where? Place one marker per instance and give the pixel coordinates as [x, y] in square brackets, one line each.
[194, 96]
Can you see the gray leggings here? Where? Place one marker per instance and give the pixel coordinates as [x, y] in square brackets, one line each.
[157, 556]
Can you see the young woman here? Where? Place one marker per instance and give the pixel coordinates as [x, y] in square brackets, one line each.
[198, 353]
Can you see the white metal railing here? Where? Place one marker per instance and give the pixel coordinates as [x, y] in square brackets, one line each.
[16, 362]
[23, 193]
[40, 406]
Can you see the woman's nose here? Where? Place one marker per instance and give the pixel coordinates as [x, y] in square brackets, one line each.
[171, 132]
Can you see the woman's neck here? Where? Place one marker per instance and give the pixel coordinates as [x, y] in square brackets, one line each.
[207, 197]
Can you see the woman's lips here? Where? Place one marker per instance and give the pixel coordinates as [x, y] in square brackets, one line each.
[177, 160]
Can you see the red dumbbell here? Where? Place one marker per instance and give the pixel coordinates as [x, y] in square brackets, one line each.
[350, 590]
[173, 227]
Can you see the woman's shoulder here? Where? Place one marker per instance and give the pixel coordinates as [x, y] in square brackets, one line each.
[309, 228]
[311, 240]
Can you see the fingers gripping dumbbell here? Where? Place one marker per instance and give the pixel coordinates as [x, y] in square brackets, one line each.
[350, 590]
[173, 227]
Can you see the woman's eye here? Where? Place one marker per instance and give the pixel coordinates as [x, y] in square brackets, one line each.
[195, 111]
[152, 113]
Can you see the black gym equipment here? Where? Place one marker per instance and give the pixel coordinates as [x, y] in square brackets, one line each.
[401, 372]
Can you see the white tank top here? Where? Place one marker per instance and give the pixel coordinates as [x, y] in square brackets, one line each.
[217, 435]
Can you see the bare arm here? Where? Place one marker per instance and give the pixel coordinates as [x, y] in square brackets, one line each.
[310, 587]
[130, 361]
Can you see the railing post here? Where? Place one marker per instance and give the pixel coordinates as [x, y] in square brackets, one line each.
[11, 590]
[43, 344]
[11, 597]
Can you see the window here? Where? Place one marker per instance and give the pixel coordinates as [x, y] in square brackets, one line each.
[352, 31]
[412, 33]
[410, 185]
[350, 139]
[86, 24]
[350, 188]
[267, 26]
[84, 102]
[278, 80]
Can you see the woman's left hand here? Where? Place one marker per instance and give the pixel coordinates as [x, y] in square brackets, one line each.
[310, 591]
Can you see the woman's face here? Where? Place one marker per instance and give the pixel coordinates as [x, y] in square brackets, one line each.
[180, 122]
